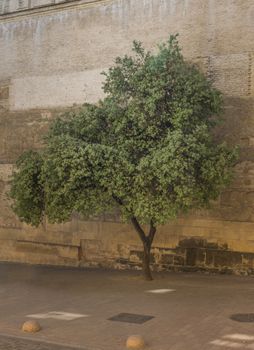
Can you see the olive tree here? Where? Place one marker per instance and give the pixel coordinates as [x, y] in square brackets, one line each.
[147, 149]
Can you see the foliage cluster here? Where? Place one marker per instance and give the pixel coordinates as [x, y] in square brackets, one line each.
[146, 148]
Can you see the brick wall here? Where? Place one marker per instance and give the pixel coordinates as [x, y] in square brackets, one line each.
[11, 6]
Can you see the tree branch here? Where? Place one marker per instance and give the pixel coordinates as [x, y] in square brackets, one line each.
[139, 229]
[118, 200]
[145, 239]
[152, 232]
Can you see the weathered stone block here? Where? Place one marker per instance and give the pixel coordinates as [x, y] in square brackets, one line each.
[179, 260]
[4, 93]
[192, 242]
[231, 73]
[227, 258]
[167, 259]
[201, 257]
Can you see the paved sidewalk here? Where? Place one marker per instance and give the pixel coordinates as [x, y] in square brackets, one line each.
[192, 314]
[18, 343]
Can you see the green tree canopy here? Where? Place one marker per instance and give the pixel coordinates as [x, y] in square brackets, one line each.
[147, 148]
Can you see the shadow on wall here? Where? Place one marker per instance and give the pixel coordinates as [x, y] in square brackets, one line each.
[196, 254]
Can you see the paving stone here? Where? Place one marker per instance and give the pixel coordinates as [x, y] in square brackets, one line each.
[195, 317]
[14, 343]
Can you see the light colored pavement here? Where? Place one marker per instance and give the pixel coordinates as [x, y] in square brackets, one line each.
[193, 315]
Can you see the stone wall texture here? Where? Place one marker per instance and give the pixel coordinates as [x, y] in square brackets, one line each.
[51, 56]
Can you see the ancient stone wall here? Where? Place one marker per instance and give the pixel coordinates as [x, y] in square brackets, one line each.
[51, 56]
[12, 6]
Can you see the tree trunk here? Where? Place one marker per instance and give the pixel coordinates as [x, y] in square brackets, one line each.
[146, 262]
[147, 241]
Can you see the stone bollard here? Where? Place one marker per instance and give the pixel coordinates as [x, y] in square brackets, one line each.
[135, 342]
[31, 326]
